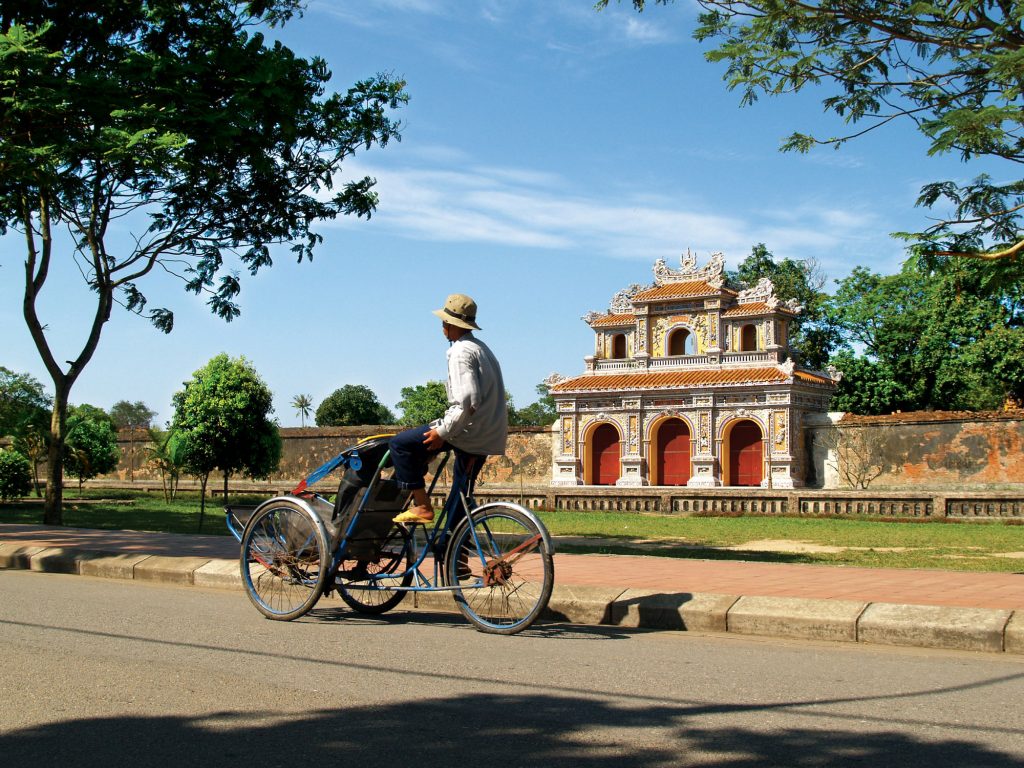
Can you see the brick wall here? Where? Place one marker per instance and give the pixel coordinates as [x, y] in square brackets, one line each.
[916, 450]
[899, 452]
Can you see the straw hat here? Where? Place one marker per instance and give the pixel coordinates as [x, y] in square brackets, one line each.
[459, 310]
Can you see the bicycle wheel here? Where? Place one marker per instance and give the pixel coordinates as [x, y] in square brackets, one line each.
[506, 583]
[368, 586]
[284, 560]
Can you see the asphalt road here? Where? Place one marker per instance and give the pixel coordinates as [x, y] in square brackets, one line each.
[101, 672]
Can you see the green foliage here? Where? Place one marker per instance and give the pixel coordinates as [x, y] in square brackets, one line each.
[423, 403]
[91, 412]
[221, 421]
[91, 444]
[15, 475]
[541, 413]
[352, 405]
[954, 70]
[126, 414]
[24, 403]
[949, 337]
[811, 335]
[868, 387]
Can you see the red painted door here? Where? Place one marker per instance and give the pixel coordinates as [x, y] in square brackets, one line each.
[746, 462]
[605, 455]
[673, 453]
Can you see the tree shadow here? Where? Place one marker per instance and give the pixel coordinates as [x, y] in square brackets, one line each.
[483, 729]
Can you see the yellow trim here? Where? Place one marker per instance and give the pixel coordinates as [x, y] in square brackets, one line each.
[375, 437]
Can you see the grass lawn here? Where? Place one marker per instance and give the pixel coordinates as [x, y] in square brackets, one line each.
[976, 546]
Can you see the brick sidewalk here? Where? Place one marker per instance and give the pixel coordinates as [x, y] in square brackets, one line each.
[731, 577]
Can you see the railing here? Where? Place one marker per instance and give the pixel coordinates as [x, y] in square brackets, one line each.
[677, 361]
[729, 358]
[673, 500]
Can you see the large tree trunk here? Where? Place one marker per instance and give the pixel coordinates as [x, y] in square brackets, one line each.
[53, 509]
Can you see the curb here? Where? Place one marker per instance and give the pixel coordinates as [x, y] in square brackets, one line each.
[922, 626]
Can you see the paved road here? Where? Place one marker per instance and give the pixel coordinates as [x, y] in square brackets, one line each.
[104, 672]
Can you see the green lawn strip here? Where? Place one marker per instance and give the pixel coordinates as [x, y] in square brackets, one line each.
[128, 510]
[917, 544]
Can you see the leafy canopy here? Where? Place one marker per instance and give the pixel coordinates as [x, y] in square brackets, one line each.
[954, 70]
[947, 338]
[24, 404]
[352, 405]
[222, 421]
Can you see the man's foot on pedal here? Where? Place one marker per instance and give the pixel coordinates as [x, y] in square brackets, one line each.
[415, 515]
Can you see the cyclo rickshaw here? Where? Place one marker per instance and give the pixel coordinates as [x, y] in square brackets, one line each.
[497, 561]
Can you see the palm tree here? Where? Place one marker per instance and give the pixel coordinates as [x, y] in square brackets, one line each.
[303, 405]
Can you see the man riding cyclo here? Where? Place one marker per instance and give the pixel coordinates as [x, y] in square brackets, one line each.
[474, 426]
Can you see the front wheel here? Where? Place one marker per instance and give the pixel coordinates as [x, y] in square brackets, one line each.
[284, 560]
[500, 559]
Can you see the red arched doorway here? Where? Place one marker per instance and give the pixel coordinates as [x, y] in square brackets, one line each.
[673, 465]
[746, 459]
[604, 455]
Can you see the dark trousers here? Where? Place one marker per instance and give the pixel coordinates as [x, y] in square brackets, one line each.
[410, 458]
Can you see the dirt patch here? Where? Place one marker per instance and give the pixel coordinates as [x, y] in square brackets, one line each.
[804, 547]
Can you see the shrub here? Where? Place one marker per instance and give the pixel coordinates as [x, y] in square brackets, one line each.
[15, 475]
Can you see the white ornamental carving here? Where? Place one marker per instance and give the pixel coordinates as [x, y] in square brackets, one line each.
[763, 292]
[553, 379]
[712, 272]
[622, 302]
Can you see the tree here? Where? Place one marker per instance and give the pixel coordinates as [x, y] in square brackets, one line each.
[23, 403]
[91, 444]
[423, 403]
[352, 405]
[811, 336]
[303, 405]
[177, 121]
[952, 69]
[126, 415]
[222, 418]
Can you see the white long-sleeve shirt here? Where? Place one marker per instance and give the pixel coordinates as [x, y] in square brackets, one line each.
[477, 418]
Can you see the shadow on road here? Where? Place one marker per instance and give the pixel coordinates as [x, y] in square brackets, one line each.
[480, 729]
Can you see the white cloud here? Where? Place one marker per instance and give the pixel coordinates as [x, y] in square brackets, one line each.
[646, 32]
[526, 208]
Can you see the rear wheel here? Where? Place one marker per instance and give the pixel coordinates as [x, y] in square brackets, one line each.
[504, 569]
[284, 560]
[368, 586]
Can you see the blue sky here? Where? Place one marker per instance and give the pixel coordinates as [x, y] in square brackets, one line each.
[550, 154]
